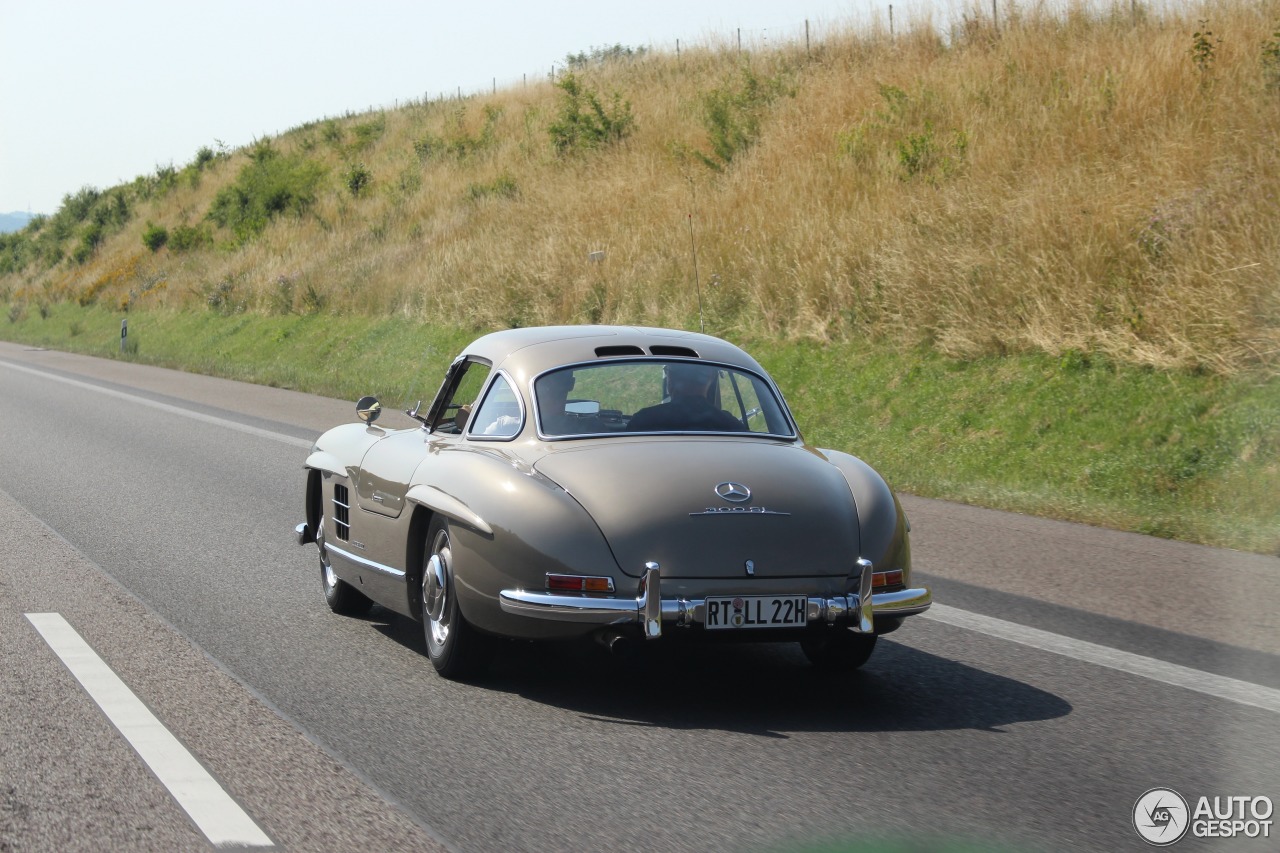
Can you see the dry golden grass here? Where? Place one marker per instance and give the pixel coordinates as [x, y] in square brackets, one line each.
[1072, 181]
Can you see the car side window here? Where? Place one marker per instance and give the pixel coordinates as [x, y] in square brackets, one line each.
[453, 418]
[499, 416]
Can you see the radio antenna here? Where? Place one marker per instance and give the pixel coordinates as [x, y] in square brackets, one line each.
[697, 281]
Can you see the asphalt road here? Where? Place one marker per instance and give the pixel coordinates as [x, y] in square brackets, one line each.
[1067, 671]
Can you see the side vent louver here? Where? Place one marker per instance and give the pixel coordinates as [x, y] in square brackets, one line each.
[341, 513]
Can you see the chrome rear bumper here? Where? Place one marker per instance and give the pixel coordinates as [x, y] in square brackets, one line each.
[650, 610]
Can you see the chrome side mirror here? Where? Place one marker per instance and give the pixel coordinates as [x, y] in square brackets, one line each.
[368, 409]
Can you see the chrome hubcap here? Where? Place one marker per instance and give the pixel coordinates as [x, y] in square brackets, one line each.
[435, 591]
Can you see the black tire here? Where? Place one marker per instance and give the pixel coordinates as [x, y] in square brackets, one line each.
[342, 597]
[842, 651]
[456, 649]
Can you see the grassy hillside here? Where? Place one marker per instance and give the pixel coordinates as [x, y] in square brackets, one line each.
[1097, 182]
[1049, 252]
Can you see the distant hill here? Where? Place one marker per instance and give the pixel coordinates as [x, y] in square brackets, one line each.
[14, 221]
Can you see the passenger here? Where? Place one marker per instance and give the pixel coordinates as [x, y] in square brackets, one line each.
[689, 406]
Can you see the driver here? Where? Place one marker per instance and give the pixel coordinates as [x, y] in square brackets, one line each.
[689, 407]
[553, 394]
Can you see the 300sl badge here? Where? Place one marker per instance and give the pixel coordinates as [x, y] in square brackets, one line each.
[739, 510]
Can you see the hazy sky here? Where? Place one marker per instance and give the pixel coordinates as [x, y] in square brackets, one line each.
[97, 92]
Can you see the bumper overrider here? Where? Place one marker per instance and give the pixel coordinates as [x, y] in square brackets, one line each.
[856, 611]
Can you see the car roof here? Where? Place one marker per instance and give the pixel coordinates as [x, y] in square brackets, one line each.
[530, 351]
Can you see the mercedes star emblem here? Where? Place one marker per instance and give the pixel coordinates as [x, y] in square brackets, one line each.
[733, 492]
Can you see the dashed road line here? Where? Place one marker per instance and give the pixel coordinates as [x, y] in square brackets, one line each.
[1218, 686]
[209, 806]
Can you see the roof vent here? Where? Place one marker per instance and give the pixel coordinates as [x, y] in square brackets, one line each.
[621, 349]
[682, 352]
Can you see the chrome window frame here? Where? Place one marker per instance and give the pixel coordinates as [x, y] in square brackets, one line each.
[494, 375]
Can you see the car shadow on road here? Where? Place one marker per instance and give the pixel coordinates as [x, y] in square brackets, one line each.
[760, 689]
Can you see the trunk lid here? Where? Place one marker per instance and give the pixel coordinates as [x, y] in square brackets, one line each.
[680, 503]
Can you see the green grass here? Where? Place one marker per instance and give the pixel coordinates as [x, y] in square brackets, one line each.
[1174, 454]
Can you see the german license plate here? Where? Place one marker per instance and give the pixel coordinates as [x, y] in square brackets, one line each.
[756, 611]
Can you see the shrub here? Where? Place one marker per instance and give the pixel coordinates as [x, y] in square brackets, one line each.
[357, 178]
[1203, 48]
[187, 237]
[731, 115]
[584, 122]
[331, 132]
[367, 133]
[90, 238]
[154, 237]
[269, 185]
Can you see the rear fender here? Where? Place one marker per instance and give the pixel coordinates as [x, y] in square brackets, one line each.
[509, 527]
[883, 526]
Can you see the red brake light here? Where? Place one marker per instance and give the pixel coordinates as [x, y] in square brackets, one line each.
[892, 577]
[579, 583]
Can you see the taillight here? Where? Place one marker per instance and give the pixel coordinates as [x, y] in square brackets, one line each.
[893, 577]
[579, 583]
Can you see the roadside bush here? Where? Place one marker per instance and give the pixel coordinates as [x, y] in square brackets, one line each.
[154, 237]
[732, 115]
[187, 237]
[585, 123]
[367, 133]
[270, 185]
[357, 178]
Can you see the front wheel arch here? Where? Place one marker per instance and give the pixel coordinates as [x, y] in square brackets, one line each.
[415, 558]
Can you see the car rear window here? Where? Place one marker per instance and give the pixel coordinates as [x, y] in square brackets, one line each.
[682, 396]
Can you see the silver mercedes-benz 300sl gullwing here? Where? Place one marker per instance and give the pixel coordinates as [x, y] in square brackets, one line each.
[626, 484]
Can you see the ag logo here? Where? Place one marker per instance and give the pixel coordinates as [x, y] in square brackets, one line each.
[1161, 816]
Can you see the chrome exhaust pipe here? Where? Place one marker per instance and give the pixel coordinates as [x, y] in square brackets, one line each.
[618, 644]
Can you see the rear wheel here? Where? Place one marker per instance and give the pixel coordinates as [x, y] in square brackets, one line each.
[342, 597]
[839, 650]
[456, 649]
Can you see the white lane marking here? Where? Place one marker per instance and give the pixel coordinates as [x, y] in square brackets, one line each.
[165, 407]
[218, 816]
[1218, 686]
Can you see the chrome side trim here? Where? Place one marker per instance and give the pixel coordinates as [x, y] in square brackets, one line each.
[361, 561]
